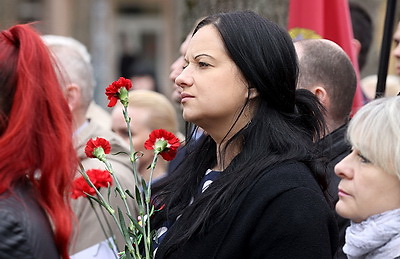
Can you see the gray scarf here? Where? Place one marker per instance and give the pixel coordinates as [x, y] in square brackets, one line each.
[376, 237]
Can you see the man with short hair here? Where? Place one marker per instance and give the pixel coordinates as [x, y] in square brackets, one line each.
[326, 70]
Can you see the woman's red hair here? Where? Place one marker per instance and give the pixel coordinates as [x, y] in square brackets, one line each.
[36, 128]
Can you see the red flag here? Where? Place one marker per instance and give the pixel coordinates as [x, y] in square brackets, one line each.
[328, 19]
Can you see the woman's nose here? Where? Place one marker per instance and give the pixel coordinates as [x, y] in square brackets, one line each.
[185, 78]
[343, 169]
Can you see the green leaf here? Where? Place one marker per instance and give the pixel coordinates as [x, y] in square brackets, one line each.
[129, 194]
[109, 209]
[108, 192]
[95, 199]
[120, 152]
[151, 211]
[136, 224]
[123, 225]
[138, 197]
[144, 186]
[116, 192]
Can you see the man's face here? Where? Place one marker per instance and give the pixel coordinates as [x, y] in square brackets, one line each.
[396, 51]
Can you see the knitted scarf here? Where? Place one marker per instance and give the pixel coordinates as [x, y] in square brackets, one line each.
[376, 237]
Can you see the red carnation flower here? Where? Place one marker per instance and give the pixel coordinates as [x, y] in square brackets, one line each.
[118, 90]
[99, 178]
[164, 143]
[97, 148]
[80, 187]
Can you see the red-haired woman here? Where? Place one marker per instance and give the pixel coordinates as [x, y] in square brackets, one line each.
[37, 157]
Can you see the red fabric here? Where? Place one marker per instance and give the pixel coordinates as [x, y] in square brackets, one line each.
[328, 19]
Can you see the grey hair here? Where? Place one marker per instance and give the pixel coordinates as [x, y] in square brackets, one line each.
[74, 62]
[375, 132]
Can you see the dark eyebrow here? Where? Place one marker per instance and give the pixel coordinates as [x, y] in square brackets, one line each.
[200, 55]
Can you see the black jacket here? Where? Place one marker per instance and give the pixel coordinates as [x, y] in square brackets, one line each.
[25, 231]
[283, 214]
[335, 148]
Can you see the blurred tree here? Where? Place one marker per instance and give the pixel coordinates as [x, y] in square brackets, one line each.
[275, 10]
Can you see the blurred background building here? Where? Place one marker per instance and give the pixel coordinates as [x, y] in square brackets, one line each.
[124, 36]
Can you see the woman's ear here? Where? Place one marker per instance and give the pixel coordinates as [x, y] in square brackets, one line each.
[253, 93]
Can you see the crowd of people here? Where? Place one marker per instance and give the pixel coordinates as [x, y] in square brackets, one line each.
[272, 166]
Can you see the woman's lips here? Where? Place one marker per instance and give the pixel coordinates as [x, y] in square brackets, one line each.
[343, 193]
[185, 96]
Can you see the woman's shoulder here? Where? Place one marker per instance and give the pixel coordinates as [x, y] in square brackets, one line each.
[17, 201]
[289, 189]
[290, 170]
[25, 231]
[284, 177]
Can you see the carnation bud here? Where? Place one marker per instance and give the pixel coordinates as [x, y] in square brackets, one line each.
[99, 153]
[160, 145]
[124, 96]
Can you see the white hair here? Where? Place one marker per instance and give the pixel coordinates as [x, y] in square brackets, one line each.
[74, 62]
[375, 132]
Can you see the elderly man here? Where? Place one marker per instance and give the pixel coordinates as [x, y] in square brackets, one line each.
[75, 72]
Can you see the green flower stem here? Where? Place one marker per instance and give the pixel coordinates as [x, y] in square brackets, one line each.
[146, 235]
[142, 211]
[128, 124]
[131, 148]
[152, 167]
[119, 187]
[105, 204]
[102, 227]
[133, 163]
[123, 197]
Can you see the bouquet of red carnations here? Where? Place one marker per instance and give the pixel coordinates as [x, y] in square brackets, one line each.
[137, 233]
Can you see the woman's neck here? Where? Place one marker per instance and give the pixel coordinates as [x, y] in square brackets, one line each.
[225, 154]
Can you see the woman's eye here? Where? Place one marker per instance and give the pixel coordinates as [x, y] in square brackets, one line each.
[203, 64]
[363, 159]
[185, 66]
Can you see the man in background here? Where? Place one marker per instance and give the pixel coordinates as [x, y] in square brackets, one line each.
[396, 50]
[326, 71]
[76, 75]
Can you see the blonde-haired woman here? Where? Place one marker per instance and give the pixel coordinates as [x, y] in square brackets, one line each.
[148, 110]
[369, 190]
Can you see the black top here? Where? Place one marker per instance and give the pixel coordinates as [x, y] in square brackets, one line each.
[335, 148]
[283, 214]
[25, 230]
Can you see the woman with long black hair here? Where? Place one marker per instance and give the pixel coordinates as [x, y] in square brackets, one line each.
[250, 187]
